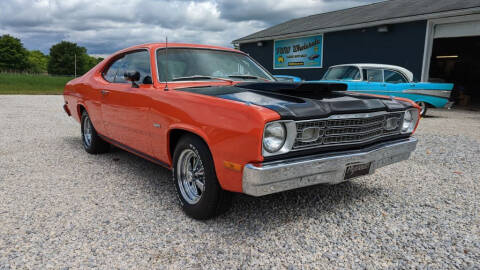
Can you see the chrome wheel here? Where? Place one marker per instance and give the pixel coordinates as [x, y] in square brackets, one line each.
[423, 107]
[87, 131]
[190, 176]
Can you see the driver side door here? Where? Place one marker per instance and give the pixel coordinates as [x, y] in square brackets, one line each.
[126, 108]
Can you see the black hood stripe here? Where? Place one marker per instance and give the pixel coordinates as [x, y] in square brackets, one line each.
[300, 101]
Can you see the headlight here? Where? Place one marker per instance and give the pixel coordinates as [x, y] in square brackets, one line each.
[278, 137]
[410, 119]
[274, 137]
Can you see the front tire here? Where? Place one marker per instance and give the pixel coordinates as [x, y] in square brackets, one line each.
[195, 180]
[92, 143]
[423, 108]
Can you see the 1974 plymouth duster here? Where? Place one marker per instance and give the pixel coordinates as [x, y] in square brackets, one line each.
[223, 124]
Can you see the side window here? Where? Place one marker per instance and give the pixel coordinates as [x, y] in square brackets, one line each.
[122, 68]
[136, 61]
[111, 72]
[393, 77]
[357, 75]
[374, 75]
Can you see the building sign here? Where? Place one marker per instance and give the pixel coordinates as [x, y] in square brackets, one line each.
[304, 52]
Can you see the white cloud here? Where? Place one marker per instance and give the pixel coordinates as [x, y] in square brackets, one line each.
[104, 26]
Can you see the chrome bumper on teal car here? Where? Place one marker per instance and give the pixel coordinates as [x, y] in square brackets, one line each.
[329, 168]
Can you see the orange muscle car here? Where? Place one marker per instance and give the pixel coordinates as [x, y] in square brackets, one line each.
[223, 124]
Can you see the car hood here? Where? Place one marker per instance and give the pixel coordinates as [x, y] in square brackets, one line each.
[300, 101]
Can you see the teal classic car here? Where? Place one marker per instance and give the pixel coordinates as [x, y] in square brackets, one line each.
[390, 80]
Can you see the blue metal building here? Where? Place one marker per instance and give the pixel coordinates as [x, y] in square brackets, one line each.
[438, 40]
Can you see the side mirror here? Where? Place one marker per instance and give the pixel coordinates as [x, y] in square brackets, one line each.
[132, 76]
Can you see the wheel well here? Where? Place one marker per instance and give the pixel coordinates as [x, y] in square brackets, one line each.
[426, 103]
[174, 137]
[80, 110]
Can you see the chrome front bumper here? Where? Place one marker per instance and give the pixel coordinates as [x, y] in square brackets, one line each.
[329, 168]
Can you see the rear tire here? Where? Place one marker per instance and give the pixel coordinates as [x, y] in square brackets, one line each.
[195, 180]
[423, 108]
[92, 143]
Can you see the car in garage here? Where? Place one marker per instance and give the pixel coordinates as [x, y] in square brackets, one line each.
[223, 124]
[390, 80]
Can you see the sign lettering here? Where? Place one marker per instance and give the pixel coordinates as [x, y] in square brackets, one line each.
[304, 52]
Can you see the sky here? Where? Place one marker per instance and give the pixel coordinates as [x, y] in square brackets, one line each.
[105, 26]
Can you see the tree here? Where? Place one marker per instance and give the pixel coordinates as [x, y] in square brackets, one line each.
[37, 61]
[62, 59]
[13, 56]
[92, 61]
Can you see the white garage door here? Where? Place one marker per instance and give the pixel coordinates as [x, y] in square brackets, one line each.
[461, 29]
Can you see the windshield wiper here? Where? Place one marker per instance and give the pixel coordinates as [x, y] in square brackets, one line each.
[199, 77]
[247, 77]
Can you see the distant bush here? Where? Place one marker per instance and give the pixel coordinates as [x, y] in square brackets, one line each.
[37, 62]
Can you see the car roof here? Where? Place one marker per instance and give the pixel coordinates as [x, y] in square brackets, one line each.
[176, 45]
[402, 70]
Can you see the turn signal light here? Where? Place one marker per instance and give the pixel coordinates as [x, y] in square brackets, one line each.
[232, 166]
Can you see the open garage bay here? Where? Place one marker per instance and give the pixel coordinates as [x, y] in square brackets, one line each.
[61, 207]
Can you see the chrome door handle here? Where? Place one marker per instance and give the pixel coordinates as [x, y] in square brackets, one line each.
[104, 92]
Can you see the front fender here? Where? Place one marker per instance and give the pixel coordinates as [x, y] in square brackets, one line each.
[232, 130]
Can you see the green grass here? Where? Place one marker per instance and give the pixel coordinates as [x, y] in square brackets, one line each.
[26, 84]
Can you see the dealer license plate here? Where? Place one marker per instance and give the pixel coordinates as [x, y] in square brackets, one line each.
[356, 170]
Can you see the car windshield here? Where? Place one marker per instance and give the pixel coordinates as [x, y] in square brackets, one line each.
[187, 64]
[342, 73]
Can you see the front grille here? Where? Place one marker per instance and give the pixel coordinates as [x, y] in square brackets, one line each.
[353, 130]
[355, 122]
[346, 129]
[353, 137]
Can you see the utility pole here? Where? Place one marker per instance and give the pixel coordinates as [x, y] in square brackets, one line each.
[75, 65]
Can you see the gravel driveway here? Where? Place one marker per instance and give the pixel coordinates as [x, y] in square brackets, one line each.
[63, 208]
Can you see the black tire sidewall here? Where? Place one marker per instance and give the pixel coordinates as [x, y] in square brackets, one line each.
[207, 206]
[425, 111]
[87, 148]
[422, 114]
[97, 145]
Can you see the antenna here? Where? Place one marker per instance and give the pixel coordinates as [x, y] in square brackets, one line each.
[166, 63]
[75, 64]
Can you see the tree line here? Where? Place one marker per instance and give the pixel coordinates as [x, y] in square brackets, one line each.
[60, 61]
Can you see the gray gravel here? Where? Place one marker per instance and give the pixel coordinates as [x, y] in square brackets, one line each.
[63, 208]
